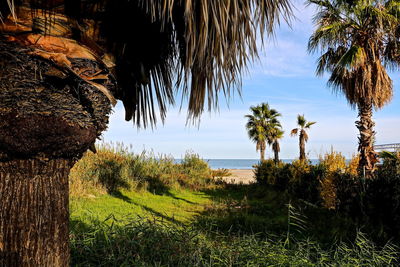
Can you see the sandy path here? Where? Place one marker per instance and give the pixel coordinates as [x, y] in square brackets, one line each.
[240, 176]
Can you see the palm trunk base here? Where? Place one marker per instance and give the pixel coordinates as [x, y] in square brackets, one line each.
[34, 212]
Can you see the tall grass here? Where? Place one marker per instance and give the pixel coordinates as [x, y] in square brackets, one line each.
[115, 168]
[148, 243]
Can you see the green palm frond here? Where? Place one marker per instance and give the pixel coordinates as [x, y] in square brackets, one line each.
[195, 48]
[301, 120]
[354, 57]
[274, 134]
[357, 39]
[309, 124]
[262, 124]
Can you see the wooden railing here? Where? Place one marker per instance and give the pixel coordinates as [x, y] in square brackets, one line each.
[388, 147]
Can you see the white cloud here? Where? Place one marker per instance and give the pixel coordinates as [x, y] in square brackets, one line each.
[286, 55]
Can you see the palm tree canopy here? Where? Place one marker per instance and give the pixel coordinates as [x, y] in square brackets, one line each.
[156, 48]
[309, 124]
[275, 134]
[301, 121]
[261, 122]
[303, 125]
[357, 40]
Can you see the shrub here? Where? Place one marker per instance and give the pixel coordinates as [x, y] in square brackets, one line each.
[352, 167]
[103, 169]
[332, 163]
[375, 202]
[197, 172]
[266, 172]
[114, 168]
[371, 203]
[299, 178]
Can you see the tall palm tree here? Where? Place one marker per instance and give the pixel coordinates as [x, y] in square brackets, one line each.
[275, 134]
[262, 120]
[358, 40]
[303, 136]
[62, 65]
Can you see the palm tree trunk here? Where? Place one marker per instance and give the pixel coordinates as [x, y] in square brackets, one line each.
[276, 151]
[365, 125]
[34, 212]
[46, 124]
[262, 153]
[302, 146]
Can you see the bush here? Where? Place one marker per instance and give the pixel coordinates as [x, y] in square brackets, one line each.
[114, 168]
[196, 171]
[332, 164]
[331, 184]
[299, 178]
[352, 167]
[267, 172]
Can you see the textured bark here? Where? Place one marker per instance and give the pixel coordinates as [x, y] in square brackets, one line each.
[276, 151]
[48, 119]
[262, 154]
[368, 157]
[34, 212]
[262, 151]
[302, 146]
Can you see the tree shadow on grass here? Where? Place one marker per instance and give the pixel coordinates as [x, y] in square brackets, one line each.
[156, 186]
[243, 209]
[249, 209]
[153, 212]
[172, 195]
[119, 195]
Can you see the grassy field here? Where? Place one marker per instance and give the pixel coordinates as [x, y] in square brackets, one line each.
[229, 226]
[130, 210]
[175, 206]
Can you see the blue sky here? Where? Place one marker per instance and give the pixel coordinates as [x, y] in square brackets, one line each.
[284, 77]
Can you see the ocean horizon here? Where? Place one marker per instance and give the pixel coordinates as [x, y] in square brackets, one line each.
[244, 164]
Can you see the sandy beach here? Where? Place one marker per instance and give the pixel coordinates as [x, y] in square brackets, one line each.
[240, 176]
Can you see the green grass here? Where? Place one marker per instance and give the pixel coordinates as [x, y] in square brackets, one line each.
[174, 206]
[136, 210]
[229, 226]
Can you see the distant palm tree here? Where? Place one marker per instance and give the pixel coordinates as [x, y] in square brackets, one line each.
[273, 140]
[358, 39]
[301, 131]
[259, 125]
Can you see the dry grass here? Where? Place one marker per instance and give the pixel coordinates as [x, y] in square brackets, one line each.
[114, 167]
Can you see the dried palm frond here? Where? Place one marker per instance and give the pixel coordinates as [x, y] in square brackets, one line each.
[358, 39]
[45, 111]
[198, 46]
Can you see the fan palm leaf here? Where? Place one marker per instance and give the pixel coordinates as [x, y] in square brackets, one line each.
[160, 47]
[260, 125]
[358, 40]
